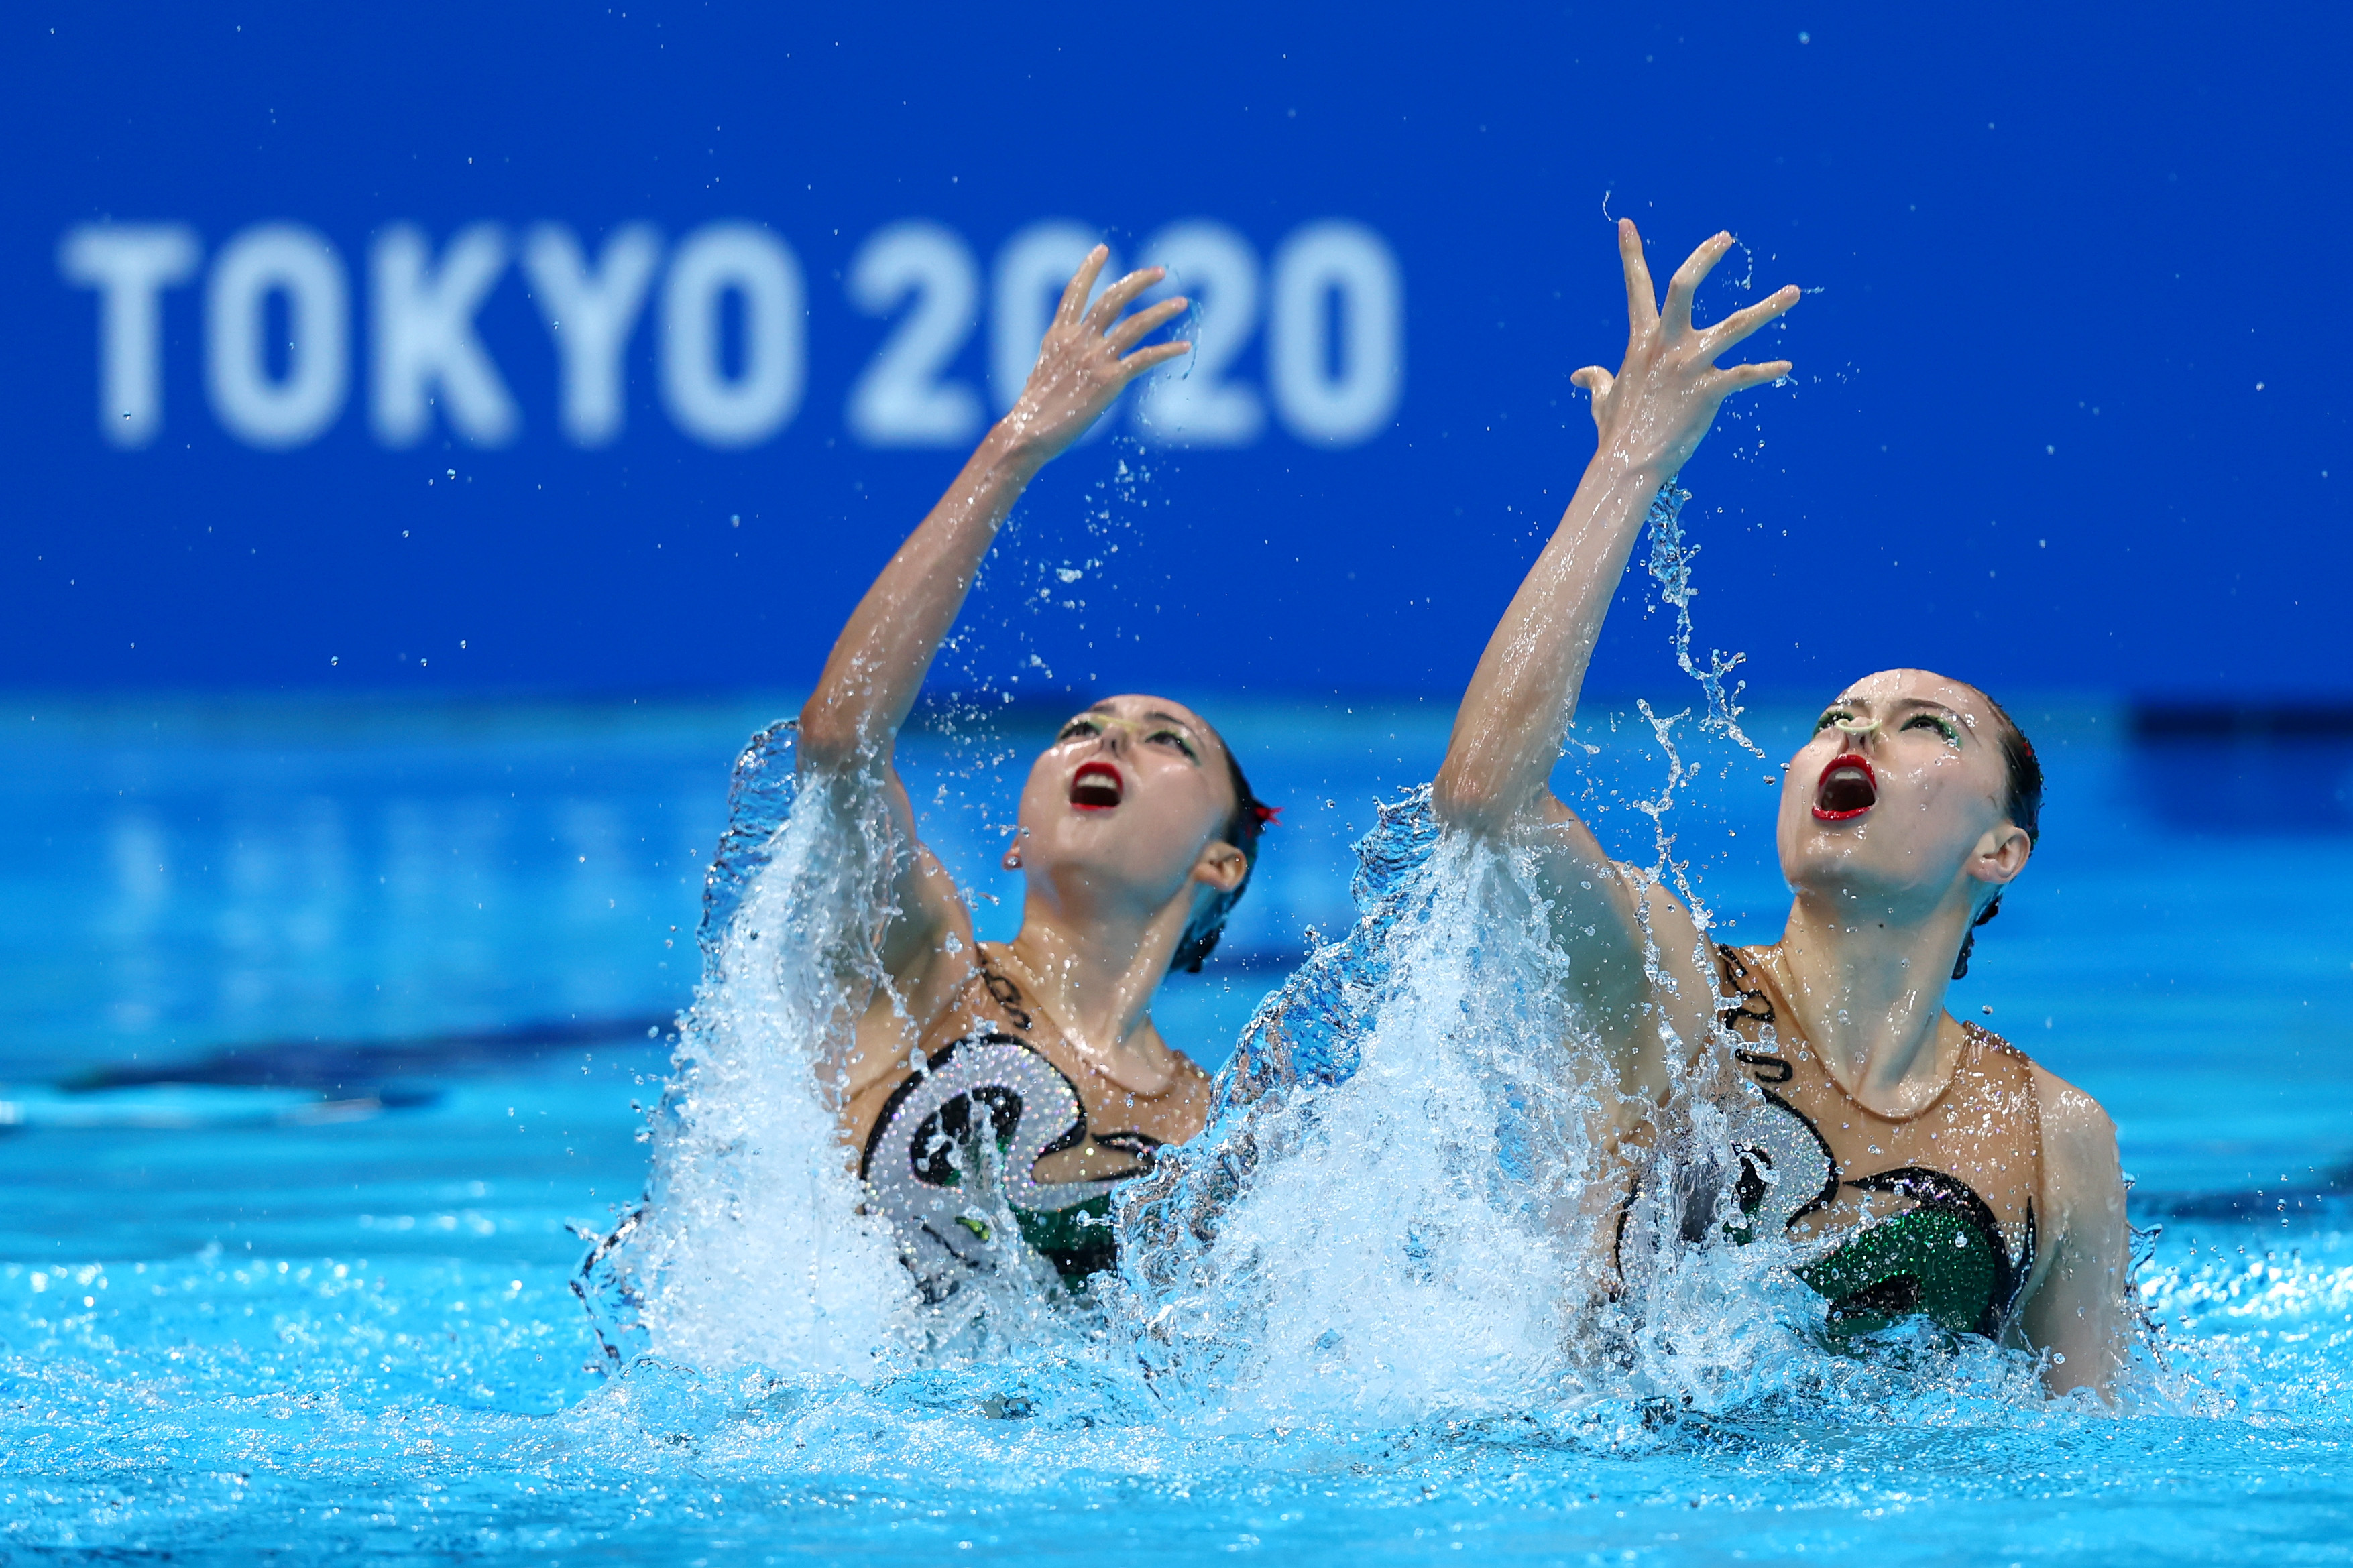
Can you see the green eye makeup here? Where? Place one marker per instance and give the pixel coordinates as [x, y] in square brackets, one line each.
[1941, 724]
[1175, 738]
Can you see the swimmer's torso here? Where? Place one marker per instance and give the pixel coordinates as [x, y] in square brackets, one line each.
[1935, 1207]
[1063, 1131]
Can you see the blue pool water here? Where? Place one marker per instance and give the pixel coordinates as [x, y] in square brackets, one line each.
[325, 1029]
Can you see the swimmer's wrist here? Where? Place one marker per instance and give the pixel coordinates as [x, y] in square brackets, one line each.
[1622, 470]
[1010, 447]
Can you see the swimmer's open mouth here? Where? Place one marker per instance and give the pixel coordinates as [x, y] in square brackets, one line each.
[1096, 786]
[1847, 789]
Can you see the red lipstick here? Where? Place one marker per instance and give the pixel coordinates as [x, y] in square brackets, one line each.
[1097, 786]
[1846, 790]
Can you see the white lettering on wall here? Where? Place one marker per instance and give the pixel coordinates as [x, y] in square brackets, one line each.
[590, 314]
[760, 270]
[900, 399]
[732, 331]
[130, 264]
[1337, 394]
[277, 412]
[1191, 403]
[424, 337]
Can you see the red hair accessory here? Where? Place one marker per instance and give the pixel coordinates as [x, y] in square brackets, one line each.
[1267, 816]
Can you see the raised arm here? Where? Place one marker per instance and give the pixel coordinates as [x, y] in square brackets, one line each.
[851, 722]
[878, 663]
[1508, 731]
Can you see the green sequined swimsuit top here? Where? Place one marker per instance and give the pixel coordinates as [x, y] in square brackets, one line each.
[1937, 1208]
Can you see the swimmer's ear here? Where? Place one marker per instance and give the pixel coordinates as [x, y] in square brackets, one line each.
[1222, 866]
[2001, 855]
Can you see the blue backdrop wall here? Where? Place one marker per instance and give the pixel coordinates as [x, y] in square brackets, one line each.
[612, 349]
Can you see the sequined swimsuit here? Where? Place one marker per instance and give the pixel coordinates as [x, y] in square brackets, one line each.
[1937, 1207]
[983, 1070]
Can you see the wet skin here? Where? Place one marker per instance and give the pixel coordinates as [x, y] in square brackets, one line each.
[1119, 828]
[1933, 799]
[1116, 863]
[1892, 830]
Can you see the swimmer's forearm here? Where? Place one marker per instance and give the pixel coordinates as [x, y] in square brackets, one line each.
[1515, 713]
[1651, 414]
[878, 664]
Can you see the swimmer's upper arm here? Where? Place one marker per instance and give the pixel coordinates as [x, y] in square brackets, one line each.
[927, 912]
[2076, 1308]
[925, 945]
[1613, 920]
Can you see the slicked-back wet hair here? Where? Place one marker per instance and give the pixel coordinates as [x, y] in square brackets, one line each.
[1241, 830]
[2022, 803]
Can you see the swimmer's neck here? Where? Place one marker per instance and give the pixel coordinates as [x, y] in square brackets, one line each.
[1868, 985]
[1096, 972]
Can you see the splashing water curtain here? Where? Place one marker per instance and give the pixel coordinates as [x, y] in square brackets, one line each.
[1373, 1299]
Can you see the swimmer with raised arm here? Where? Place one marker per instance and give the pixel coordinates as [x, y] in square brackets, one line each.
[1137, 833]
[1945, 1172]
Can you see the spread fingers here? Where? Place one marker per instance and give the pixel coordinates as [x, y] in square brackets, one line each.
[1074, 296]
[1116, 298]
[1741, 377]
[1730, 331]
[1142, 325]
[1641, 296]
[1142, 360]
[1687, 279]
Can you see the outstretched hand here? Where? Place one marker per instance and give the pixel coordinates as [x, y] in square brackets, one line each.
[1080, 370]
[1655, 411]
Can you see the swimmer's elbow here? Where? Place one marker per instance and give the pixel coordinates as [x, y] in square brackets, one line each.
[1471, 801]
[830, 737]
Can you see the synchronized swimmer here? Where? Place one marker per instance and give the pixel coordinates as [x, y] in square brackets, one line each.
[1136, 835]
[1966, 1182]
[1931, 1167]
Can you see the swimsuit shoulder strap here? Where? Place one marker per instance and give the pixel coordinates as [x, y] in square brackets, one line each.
[988, 1002]
[1747, 997]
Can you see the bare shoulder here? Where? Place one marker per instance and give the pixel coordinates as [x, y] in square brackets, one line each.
[1671, 923]
[2070, 1117]
[2082, 1176]
[1687, 956]
[2072, 1121]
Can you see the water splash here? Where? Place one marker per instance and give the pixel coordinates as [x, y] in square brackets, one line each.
[751, 1245]
[1670, 565]
[756, 1245]
[1409, 1204]
[1406, 1203]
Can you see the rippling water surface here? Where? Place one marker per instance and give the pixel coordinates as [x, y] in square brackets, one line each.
[307, 1295]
